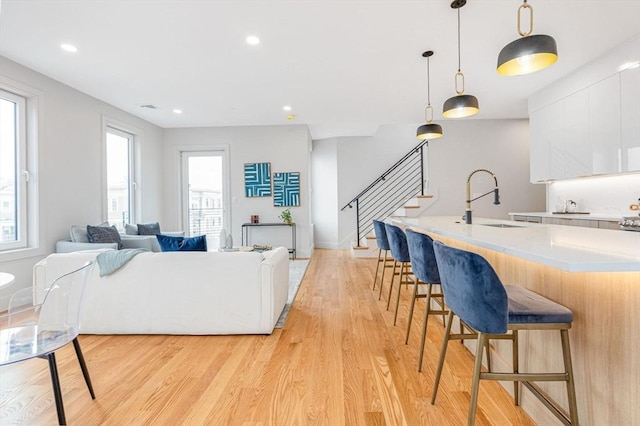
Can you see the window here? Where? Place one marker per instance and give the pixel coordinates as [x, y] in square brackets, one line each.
[13, 171]
[120, 184]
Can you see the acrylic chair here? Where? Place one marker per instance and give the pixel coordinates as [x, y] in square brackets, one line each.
[30, 330]
[425, 269]
[474, 292]
[383, 245]
[400, 253]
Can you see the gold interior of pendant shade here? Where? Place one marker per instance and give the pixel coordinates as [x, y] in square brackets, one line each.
[527, 64]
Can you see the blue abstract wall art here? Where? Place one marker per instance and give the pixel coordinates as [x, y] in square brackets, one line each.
[257, 179]
[286, 189]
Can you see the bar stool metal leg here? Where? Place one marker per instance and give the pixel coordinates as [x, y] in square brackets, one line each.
[403, 273]
[443, 353]
[393, 276]
[375, 277]
[516, 384]
[568, 367]
[477, 367]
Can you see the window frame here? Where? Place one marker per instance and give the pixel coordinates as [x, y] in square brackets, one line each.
[29, 172]
[110, 125]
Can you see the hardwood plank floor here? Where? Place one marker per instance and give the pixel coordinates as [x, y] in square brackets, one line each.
[338, 361]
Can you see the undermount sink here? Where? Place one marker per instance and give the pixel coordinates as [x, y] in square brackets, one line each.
[501, 225]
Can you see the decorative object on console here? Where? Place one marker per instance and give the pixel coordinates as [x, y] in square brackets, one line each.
[168, 243]
[286, 189]
[225, 240]
[255, 218]
[528, 54]
[461, 105]
[103, 234]
[257, 179]
[286, 216]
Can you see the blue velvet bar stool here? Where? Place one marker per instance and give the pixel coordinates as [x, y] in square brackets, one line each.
[383, 245]
[474, 292]
[425, 269]
[400, 253]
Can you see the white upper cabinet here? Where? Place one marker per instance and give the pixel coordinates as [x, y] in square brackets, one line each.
[588, 123]
[604, 126]
[630, 119]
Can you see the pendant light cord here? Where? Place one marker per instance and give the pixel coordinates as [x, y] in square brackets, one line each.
[458, 39]
[428, 84]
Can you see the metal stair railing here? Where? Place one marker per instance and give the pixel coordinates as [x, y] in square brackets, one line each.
[387, 193]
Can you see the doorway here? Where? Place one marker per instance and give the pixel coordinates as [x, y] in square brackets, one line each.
[205, 194]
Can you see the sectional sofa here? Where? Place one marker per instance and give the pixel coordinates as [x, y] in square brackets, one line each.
[178, 292]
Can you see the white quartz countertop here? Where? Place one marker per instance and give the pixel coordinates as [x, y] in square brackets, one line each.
[570, 248]
[590, 216]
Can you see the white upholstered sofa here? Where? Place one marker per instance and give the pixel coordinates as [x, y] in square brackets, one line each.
[178, 292]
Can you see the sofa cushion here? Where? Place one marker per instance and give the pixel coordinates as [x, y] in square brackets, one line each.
[103, 234]
[168, 243]
[148, 228]
[78, 233]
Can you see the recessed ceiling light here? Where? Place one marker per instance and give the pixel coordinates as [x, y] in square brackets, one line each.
[286, 108]
[177, 111]
[68, 47]
[253, 40]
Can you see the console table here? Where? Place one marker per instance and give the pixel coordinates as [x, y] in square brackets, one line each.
[246, 227]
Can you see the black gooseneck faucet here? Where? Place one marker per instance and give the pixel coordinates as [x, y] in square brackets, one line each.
[496, 194]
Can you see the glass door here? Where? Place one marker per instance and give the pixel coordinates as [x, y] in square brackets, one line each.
[204, 194]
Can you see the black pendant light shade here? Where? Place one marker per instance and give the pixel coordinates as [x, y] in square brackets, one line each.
[528, 54]
[429, 130]
[461, 105]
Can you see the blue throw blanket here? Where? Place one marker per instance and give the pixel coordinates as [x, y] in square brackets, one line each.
[112, 260]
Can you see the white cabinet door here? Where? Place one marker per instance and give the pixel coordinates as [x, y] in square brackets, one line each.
[576, 149]
[630, 119]
[604, 125]
[547, 157]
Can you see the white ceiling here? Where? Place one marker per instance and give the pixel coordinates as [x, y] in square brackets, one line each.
[345, 66]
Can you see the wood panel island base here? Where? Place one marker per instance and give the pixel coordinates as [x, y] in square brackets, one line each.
[593, 272]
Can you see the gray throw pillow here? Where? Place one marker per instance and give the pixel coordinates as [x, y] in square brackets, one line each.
[78, 233]
[130, 229]
[104, 234]
[148, 228]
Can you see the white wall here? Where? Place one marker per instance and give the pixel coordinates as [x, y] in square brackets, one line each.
[603, 195]
[287, 148]
[501, 146]
[71, 163]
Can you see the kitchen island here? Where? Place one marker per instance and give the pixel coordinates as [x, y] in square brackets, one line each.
[596, 274]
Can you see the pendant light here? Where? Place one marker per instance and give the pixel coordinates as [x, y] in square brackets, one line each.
[460, 105]
[528, 54]
[429, 130]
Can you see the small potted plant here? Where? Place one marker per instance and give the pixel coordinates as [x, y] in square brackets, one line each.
[286, 216]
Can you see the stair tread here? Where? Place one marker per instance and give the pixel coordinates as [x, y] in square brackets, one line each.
[411, 207]
[424, 196]
[360, 248]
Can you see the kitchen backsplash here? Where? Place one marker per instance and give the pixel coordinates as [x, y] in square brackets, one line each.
[606, 195]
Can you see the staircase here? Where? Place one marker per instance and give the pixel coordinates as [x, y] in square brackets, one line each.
[414, 207]
[399, 191]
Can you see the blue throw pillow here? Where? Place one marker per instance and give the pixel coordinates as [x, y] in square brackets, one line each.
[168, 243]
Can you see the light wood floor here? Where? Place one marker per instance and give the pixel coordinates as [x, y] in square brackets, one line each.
[338, 361]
